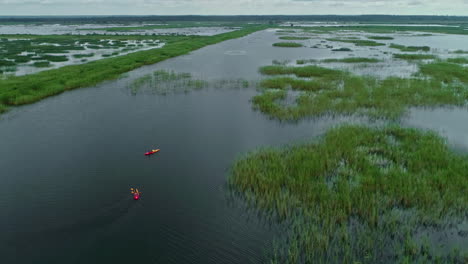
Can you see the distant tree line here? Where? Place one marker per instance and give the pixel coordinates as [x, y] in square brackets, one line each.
[262, 19]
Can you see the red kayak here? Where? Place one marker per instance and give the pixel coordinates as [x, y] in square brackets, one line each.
[152, 152]
[136, 194]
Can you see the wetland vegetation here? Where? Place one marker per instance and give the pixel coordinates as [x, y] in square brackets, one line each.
[294, 38]
[358, 42]
[331, 91]
[410, 48]
[344, 60]
[360, 195]
[31, 88]
[288, 44]
[414, 56]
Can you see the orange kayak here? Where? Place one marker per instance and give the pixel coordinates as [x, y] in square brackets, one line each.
[152, 152]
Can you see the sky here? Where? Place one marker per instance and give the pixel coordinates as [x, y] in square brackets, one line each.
[233, 7]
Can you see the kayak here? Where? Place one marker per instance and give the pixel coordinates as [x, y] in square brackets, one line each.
[152, 152]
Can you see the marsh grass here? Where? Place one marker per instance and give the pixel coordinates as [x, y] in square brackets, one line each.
[164, 82]
[294, 38]
[3, 108]
[342, 49]
[41, 64]
[460, 60]
[343, 60]
[330, 91]
[360, 195]
[79, 56]
[460, 52]
[358, 42]
[380, 37]
[353, 60]
[288, 44]
[53, 58]
[6, 63]
[410, 48]
[414, 56]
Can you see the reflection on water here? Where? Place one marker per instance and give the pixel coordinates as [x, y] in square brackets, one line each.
[449, 122]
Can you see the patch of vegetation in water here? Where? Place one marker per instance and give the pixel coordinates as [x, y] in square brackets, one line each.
[5, 63]
[410, 48]
[460, 52]
[353, 60]
[342, 49]
[294, 38]
[288, 44]
[41, 64]
[414, 56]
[360, 195]
[55, 58]
[3, 108]
[79, 56]
[446, 72]
[163, 82]
[21, 59]
[460, 60]
[358, 42]
[380, 37]
[339, 92]
[343, 60]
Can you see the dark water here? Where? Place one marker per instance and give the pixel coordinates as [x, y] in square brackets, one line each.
[67, 164]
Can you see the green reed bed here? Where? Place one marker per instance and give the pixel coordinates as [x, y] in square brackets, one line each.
[414, 56]
[41, 64]
[21, 59]
[3, 108]
[164, 82]
[53, 58]
[294, 38]
[445, 72]
[339, 92]
[460, 52]
[380, 37]
[342, 49]
[288, 45]
[343, 60]
[353, 60]
[410, 48]
[358, 42]
[460, 60]
[34, 87]
[79, 56]
[360, 195]
[5, 63]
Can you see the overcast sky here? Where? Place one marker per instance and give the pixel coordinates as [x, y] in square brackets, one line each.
[232, 7]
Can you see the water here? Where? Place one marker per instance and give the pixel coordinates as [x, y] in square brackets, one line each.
[58, 29]
[68, 163]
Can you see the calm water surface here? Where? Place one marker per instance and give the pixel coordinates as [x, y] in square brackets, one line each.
[68, 163]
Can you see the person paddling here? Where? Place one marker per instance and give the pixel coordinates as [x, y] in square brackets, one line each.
[136, 193]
